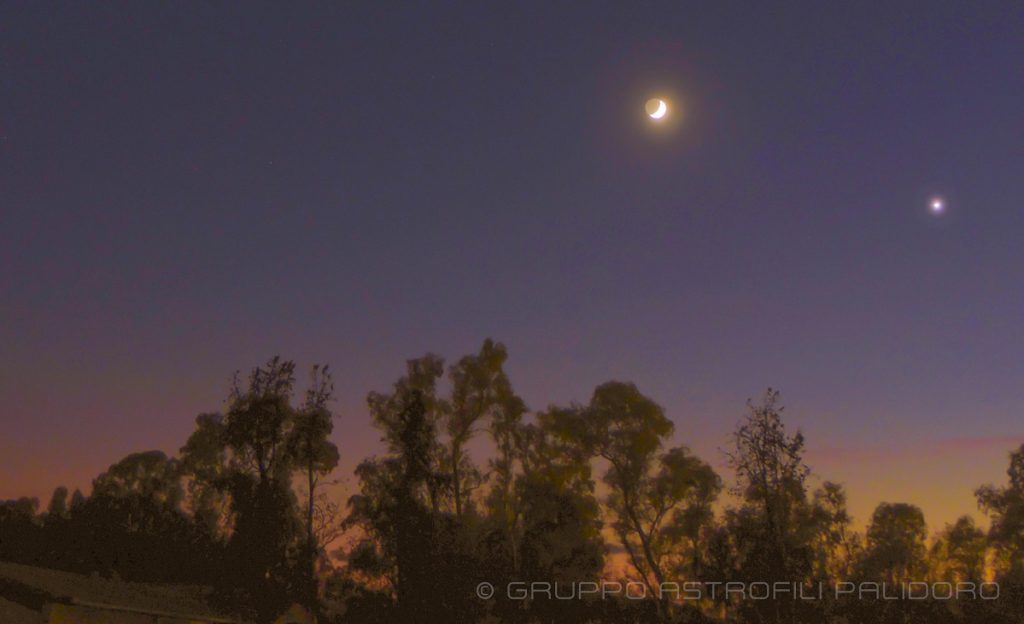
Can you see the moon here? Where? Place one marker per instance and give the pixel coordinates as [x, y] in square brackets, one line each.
[656, 108]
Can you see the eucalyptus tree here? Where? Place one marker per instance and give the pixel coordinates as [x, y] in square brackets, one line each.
[151, 475]
[389, 414]
[559, 536]
[959, 551]
[257, 436]
[481, 395]
[896, 544]
[207, 470]
[247, 457]
[315, 455]
[398, 509]
[425, 556]
[392, 513]
[657, 498]
[1005, 508]
[836, 545]
[772, 531]
[771, 480]
[259, 420]
[58, 506]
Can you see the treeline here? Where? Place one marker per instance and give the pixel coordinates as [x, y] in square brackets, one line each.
[240, 508]
[569, 497]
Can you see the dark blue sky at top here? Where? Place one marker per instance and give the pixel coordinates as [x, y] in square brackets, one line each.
[187, 189]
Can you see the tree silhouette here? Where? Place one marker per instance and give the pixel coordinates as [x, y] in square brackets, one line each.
[387, 410]
[205, 464]
[315, 455]
[150, 475]
[773, 529]
[391, 510]
[1005, 507]
[959, 551]
[836, 546]
[243, 508]
[657, 498]
[895, 543]
[240, 468]
[480, 389]
[58, 507]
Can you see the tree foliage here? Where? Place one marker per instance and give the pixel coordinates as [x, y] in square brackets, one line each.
[472, 486]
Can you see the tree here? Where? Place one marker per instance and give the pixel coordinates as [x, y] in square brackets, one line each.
[771, 477]
[958, 553]
[373, 512]
[133, 524]
[205, 465]
[247, 458]
[836, 545]
[506, 432]
[555, 535]
[416, 508]
[312, 451]
[895, 544]
[414, 538]
[398, 494]
[150, 475]
[480, 389]
[256, 433]
[425, 557]
[388, 412]
[690, 487]
[772, 531]
[20, 531]
[656, 497]
[58, 507]
[559, 511]
[259, 419]
[1005, 507]
[77, 499]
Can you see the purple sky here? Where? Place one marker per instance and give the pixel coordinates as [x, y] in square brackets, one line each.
[186, 190]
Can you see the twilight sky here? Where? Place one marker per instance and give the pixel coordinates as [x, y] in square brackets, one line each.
[188, 189]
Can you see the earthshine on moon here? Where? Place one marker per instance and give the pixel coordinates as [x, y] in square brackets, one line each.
[656, 108]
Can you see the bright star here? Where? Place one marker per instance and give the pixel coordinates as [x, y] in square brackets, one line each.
[937, 205]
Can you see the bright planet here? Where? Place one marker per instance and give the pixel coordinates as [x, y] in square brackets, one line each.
[656, 108]
[937, 205]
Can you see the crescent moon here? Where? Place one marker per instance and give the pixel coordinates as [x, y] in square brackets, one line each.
[656, 108]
